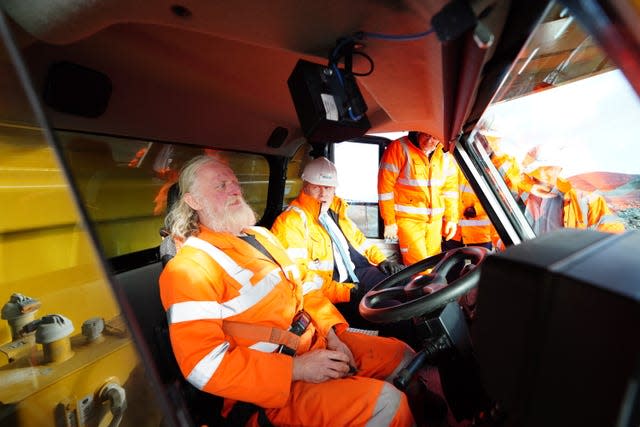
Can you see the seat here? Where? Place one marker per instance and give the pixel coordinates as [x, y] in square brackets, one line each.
[203, 408]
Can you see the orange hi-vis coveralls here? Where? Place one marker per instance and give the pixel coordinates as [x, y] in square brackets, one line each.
[310, 246]
[479, 228]
[225, 299]
[580, 209]
[416, 193]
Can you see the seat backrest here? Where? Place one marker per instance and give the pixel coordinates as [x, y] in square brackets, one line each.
[168, 246]
[204, 408]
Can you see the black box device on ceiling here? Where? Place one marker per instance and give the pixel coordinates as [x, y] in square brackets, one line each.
[329, 104]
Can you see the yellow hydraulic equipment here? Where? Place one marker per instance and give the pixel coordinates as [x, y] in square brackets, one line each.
[50, 377]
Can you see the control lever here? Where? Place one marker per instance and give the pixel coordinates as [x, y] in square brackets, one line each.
[432, 351]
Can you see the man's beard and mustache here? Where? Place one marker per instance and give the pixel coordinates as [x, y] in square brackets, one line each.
[232, 217]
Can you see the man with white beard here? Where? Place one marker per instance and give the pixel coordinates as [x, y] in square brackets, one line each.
[241, 327]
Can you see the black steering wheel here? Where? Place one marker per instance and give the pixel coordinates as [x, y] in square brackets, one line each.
[453, 274]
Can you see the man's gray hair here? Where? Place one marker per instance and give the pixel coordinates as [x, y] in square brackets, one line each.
[182, 221]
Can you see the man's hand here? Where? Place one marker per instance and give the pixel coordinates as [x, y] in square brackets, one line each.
[391, 231]
[318, 366]
[335, 343]
[390, 267]
[450, 228]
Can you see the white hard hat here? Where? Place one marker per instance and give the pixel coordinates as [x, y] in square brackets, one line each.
[321, 171]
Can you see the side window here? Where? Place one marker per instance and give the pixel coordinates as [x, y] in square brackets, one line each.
[124, 184]
[63, 338]
[357, 165]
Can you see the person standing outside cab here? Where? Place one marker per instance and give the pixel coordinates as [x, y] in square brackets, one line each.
[243, 326]
[332, 252]
[551, 202]
[418, 195]
[474, 227]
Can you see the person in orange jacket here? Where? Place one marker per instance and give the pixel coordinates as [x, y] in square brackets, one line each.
[328, 247]
[243, 326]
[474, 226]
[551, 202]
[418, 195]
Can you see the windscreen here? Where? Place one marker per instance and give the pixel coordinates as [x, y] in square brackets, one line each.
[561, 133]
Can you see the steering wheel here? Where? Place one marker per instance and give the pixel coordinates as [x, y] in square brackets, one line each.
[453, 274]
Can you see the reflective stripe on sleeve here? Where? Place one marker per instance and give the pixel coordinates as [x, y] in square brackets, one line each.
[421, 182]
[390, 167]
[312, 285]
[385, 196]
[450, 194]
[363, 247]
[265, 347]
[201, 374]
[474, 222]
[296, 253]
[416, 210]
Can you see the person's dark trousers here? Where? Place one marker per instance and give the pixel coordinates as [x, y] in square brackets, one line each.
[447, 245]
[454, 244]
[370, 276]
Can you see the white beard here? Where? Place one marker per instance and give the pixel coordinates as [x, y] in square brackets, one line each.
[232, 219]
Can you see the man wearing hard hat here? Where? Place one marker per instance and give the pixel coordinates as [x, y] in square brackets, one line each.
[418, 195]
[551, 202]
[328, 247]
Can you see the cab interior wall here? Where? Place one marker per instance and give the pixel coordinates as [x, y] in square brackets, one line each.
[218, 77]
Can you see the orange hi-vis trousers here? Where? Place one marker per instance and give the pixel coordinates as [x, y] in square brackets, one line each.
[367, 398]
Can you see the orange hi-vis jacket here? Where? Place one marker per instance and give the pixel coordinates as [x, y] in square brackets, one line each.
[580, 209]
[310, 246]
[479, 228]
[509, 169]
[410, 185]
[218, 290]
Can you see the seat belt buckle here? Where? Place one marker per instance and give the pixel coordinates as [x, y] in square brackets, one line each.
[299, 325]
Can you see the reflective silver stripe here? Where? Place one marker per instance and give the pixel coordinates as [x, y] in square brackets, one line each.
[363, 247]
[201, 310]
[249, 296]
[504, 168]
[386, 408]
[267, 234]
[385, 196]
[415, 210]
[450, 194]
[421, 182]
[474, 222]
[312, 285]
[464, 188]
[265, 347]
[295, 253]
[608, 219]
[294, 270]
[524, 196]
[318, 265]
[201, 374]
[195, 310]
[390, 167]
[406, 358]
[407, 164]
[242, 275]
